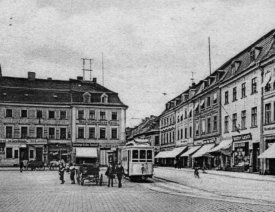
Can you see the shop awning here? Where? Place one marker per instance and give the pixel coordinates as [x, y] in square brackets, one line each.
[190, 151]
[269, 153]
[83, 152]
[223, 145]
[203, 150]
[175, 152]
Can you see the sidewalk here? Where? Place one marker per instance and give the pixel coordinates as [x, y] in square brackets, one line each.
[242, 175]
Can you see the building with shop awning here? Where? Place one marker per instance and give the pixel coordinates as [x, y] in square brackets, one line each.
[269, 153]
[190, 151]
[171, 154]
[203, 151]
[89, 155]
[225, 144]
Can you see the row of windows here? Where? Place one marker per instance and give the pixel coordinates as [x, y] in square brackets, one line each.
[167, 121]
[242, 126]
[205, 103]
[167, 137]
[268, 114]
[25, 114]
[243, 91]
[15, 153]
[92, 133]
[186, 115]
[206, 126]
[180, 133]
[92, 115]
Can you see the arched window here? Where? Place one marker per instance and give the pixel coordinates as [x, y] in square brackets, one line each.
[87, 97]
[104, 98]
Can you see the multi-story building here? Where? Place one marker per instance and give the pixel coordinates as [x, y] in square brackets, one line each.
[242, 105]
[45, 119]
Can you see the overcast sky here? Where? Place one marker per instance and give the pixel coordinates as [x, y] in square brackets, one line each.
[150, 47]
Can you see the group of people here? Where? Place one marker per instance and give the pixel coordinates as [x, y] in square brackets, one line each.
[111, 172]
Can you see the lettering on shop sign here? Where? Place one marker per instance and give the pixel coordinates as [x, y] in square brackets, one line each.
[243, 137]
[85, 144]
[269, 128]
[13, 141]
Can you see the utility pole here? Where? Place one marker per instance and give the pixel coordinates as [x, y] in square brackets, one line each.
[209, 51]
[84, 68]
[102, 67]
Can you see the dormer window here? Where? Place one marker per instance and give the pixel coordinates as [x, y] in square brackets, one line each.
[104, 98]
[254, 53]
[87, 97]
[235, 66]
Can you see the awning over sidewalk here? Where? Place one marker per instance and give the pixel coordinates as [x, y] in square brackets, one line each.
[269, 153]
[225, 144]
[171, 154]
[161, 154]
[83, 152]
[190, 151]
[203, 150]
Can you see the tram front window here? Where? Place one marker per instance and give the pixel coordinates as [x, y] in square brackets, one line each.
[149, 155]
[135, 156]
[142, 155]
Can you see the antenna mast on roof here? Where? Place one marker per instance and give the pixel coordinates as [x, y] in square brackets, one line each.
[192, 78]
[209, 51]
[102, 66]
[89, 69]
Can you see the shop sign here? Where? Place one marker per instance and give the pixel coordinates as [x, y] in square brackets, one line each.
[269, 129]
[85, 145]
[243, 137]
[13, 140]
[209, 140]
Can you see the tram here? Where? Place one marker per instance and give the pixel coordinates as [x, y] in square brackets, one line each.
[137, 158]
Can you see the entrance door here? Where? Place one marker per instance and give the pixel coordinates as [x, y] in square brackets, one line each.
[272, 166]
[256, 151]
[39, 153]
[23, 154]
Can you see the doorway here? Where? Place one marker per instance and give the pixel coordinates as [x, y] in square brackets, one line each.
[39, 153]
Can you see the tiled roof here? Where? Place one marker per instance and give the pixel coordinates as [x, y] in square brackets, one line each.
[40, 91]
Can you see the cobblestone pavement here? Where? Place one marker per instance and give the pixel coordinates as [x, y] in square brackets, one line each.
[42, 191]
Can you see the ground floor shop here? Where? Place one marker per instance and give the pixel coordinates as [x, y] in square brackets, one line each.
[171, 157]
[58, 151]
[268, 155]
[202, 158]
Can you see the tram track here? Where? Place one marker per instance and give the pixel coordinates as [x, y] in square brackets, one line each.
[163, 185]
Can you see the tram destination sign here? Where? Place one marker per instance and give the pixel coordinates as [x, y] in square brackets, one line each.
[243, 137]
[85, 145]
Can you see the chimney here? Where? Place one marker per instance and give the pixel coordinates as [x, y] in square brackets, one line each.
[79, 78]
[94, 80]
[31, 75]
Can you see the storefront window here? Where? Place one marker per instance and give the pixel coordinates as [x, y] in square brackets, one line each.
[16, 153]
[8, 152]
[241, 154]
[31, 153]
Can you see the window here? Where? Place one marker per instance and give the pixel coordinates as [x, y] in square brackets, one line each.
[51, 132]
[8, 132]
[208, 125]
[91, 132]
[39, 114]
[114, 115]
[102, 133]
[252, 55]
[202, 104]
[197, 128]
[31, 153]
[63, 133]
[215, 98]
[92, 114]
[87, 97]
[203, 126]
[149, 155]
[135, 155]
[63, 114]
[81, 114]
[24, 113]
[254, 85]
[274, 111]
[156, 141]
[226, 129]
[102, 115]
[208, 101]
[185, 114]
[8, 152]
[178, 134]
[234, 122]
[51, 114]
[39, 132]
[181, 133]
[185, 133]
[234, 94]
[81, 132]
[243, 122]
[267, 113]
[104, 98]
[9, 113]
[24, 132]
[254, 117]
[16, 153]
[215, 123]
[142, 155]
[114, 133]
[226, 97]
[190, 132]
[243, 90]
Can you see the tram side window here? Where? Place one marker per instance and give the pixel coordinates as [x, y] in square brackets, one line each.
[135, 155]
[149, 155]
[142, 155]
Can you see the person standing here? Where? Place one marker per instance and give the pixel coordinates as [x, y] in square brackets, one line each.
[61, 171]
[120, 173]
[196, 172]
[111, 175]
[21, 166]
[72, 173]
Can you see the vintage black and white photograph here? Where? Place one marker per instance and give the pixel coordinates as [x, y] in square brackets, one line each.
[137, 105]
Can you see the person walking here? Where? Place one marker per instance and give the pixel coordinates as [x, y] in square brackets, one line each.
[120, 173]
[196, 172]
[72, 173]
[61, 171]
[21, 166]
[111, 175]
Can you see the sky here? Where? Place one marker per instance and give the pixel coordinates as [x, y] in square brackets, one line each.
[150, 47]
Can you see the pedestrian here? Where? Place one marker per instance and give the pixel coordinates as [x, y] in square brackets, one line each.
[119, 173]
[196, 172]
[110, 174]
[21, 166]
[61, 171]
[72, 173]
